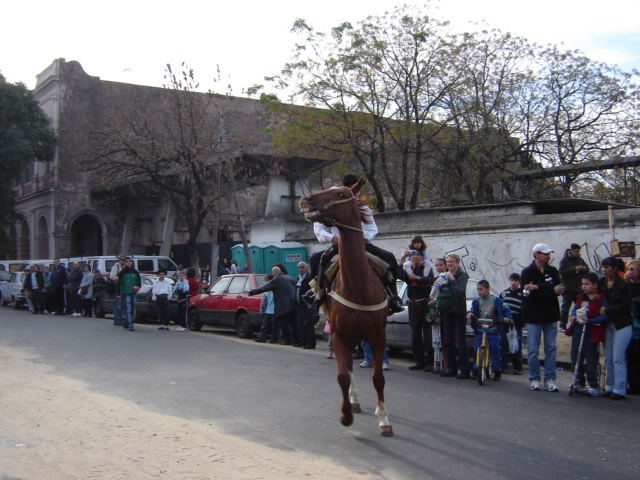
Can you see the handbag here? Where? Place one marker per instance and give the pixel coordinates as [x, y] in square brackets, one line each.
[84, 290]
[512, 336]
[446, 302]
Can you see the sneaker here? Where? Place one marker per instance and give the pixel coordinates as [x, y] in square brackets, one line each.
[534, 385]
[365, 365]
[592, 392]
[517, 372]
[131, 329]
[550, 385]
[329, 354]
[181, 329]
[385, 366]
[497, 376]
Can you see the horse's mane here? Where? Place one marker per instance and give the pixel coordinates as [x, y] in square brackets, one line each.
[366, 212]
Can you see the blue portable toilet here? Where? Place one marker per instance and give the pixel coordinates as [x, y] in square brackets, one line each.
[255, 253]
[287, 253]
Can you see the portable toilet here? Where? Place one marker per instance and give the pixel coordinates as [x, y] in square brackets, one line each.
[287, 253]
[255, 253]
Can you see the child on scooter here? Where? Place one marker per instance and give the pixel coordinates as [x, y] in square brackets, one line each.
[586, 314]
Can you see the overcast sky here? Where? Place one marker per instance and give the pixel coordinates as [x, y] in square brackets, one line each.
[132, 41]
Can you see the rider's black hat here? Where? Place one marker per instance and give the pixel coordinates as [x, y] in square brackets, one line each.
[349, 180]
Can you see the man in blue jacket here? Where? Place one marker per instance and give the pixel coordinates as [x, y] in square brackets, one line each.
[59, 280]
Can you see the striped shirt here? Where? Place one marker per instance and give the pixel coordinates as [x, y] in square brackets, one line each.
[514, 300]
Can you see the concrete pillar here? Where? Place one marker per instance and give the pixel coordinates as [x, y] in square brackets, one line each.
[167, 234]
[127, 231]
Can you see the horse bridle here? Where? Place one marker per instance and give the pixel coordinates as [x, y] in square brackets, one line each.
[337, 202]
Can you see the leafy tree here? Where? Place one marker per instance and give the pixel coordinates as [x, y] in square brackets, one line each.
[433, 118]
[25, 136]
[173, 143]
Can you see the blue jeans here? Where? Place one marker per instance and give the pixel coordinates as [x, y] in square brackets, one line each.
[615, 346]
[534, 332]
[129, 304]
[368, 357]
[117, 310]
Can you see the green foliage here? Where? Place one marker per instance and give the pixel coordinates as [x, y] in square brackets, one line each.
[25, 136]
[431, 117]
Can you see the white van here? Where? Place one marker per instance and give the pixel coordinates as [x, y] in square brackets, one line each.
[142, 263]
[11, 266]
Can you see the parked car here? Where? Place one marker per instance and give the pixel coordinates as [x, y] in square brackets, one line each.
[227, 304]
[4, 276]
[11, 291]
[145, 307]
[399, 330]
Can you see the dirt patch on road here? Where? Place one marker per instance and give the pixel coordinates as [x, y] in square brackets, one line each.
[51, 428]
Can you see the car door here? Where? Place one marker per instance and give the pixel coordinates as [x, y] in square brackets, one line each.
[209, 307]
[399, 323]
[234, 297]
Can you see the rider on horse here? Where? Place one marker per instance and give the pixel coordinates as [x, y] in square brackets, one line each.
[370, 230]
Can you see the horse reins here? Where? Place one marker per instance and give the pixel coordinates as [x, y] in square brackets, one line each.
[337, 202]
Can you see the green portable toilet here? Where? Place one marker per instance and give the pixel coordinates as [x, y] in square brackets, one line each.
[287, 253]
[255, 253]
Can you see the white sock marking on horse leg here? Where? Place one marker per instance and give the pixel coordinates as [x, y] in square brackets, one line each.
[382, 416]
[353, 391]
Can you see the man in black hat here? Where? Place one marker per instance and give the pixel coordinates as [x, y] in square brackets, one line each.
[325, 235]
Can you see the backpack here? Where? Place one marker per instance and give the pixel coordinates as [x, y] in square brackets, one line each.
[446, 302]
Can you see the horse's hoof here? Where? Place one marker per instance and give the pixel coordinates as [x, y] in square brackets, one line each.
[355, 408]
[386, 431]
[346, 421]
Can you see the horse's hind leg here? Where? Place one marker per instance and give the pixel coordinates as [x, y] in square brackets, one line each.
[353, 395]
[344, 380]
[378, 383]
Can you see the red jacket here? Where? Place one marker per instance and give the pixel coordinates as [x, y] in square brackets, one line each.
[194, 286]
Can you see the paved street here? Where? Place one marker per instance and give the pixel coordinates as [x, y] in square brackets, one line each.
[288, 398]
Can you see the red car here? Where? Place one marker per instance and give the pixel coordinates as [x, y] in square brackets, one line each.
[227, 304]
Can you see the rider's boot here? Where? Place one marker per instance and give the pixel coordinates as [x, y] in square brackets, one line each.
[395, 304]
[311, 300]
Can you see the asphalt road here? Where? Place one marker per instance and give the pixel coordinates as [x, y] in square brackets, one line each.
[288, 398]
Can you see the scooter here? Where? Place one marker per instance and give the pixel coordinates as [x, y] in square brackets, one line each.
[574, 383]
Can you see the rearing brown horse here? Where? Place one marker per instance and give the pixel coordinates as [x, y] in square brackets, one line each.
[357, 306]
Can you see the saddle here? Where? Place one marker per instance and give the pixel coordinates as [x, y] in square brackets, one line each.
[327, 273]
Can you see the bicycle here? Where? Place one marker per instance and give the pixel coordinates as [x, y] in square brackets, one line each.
[483, 357]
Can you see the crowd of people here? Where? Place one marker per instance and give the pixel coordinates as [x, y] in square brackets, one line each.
[594, 310]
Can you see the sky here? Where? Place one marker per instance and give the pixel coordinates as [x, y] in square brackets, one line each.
[132, 41]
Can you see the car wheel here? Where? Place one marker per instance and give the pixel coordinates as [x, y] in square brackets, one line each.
[3, 301]
[98, 309]
[243, 326]
[193, 321]
[15, 303]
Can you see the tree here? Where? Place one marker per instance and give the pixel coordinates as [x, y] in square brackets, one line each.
[433, 118]
[173, 144]
[25, 136]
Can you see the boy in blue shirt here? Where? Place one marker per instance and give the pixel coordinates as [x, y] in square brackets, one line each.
[489, 306]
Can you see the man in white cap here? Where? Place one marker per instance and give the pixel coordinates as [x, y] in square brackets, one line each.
[541, 313]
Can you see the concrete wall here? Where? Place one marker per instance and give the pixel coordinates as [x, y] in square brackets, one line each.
[493, 242]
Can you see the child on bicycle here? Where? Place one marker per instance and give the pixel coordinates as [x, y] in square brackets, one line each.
[488, 306]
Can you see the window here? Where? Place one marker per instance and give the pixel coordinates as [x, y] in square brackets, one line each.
[221, 285]
[166, 264]
[145, 266]
[239, 284]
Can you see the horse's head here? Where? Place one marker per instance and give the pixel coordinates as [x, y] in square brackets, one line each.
[337, 204]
